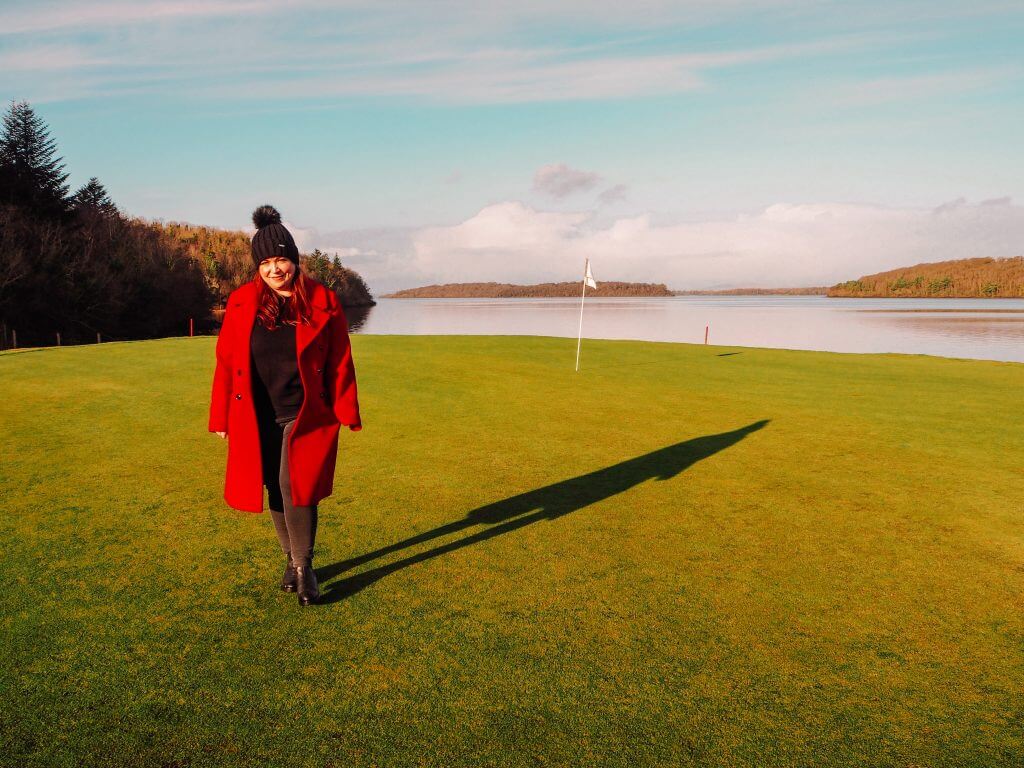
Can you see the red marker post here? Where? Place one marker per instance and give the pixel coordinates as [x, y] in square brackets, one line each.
[190, 327]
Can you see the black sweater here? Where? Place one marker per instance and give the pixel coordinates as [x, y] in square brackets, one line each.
[277, 388]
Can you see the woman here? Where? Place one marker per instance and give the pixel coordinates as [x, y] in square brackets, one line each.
[283, 386]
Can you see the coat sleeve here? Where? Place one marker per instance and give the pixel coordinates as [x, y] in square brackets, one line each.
[220, 397]
[341, 372]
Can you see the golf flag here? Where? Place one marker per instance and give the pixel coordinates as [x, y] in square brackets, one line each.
[588, 279]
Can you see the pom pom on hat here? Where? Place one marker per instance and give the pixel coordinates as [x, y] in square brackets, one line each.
[264, 215]
[272, 238]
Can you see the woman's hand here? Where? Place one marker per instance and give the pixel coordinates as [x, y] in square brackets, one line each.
[222, 435]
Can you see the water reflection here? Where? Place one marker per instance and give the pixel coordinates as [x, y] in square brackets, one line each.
[973, 328]
[357, 317]
[998, 328]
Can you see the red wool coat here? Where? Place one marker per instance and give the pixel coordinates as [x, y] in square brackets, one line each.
[329, 383]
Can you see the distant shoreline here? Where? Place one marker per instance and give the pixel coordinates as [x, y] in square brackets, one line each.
[815, 291]
[976, 278]
[538, 291]
[610, 289]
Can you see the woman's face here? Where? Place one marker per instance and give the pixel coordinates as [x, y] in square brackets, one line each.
[278, 272]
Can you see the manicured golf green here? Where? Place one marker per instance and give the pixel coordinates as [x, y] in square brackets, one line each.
[681, 555]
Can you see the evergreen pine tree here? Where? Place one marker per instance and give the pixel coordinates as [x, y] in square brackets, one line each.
[318, 266]
[31, 175]
[92, 196]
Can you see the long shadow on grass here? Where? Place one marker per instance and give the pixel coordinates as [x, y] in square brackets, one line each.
[547, 503]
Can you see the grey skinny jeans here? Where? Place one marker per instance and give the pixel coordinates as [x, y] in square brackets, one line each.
[295, 526]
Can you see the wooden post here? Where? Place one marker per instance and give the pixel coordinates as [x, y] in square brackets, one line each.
[58, 338]
[14, 334]
[706, 327]
[98, 341]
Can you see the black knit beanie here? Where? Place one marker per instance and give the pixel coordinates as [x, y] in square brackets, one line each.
[271, 238]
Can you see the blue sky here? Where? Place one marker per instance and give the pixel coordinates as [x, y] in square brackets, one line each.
[701, 144]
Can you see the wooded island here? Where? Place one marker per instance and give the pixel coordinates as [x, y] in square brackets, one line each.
[982, 278]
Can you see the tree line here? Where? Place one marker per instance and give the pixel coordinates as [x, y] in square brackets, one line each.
[225, 258]
[982, 278]
[510, 291]
[74, 268]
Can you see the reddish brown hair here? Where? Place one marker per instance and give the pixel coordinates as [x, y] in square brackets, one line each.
[273, 310]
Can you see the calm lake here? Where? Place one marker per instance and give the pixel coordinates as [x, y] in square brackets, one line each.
[987, 329]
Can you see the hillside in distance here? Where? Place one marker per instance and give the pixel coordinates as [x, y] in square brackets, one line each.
[981, 278]
[814, 291]
[540, 290]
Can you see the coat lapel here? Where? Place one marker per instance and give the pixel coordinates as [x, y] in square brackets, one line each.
[304, 334]
[248, 308]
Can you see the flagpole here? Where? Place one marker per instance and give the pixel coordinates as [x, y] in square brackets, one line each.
[579, 338]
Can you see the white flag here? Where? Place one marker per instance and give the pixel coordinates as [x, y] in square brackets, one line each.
[590, 277]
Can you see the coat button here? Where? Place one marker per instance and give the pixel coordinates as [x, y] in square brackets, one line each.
[238, 397]
[323, 394]
[319, 370]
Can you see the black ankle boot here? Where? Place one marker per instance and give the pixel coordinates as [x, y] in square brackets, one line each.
[309, 590]
[289, 581]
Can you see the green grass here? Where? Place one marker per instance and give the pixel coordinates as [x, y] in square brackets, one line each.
[677, 556]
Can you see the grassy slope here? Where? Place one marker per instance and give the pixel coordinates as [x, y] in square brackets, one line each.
[843, 585]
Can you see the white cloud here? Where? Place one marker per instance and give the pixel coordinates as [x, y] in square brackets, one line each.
[460, 16]
[464, 76]
[451, 52]
[782, 245]
[559, 180]
[41, 17]
[507, 241]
